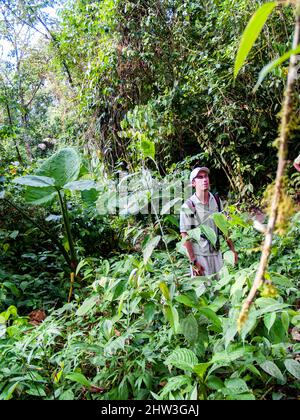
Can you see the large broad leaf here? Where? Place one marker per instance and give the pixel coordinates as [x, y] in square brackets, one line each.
[183, 359]
[63, 166]
[35, 181]
[209, 233]
[83, 185]
[222, 223]
[40, 188]
[90, 196]
[251, 34]
[38, 196]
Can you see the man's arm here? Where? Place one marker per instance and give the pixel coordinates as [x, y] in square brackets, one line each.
[297, 166]
[198, 269]
[231, 247]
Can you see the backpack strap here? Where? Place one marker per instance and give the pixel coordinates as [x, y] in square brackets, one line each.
[192, 207]
[218, 201]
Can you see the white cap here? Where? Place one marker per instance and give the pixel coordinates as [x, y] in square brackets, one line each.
[195, 172]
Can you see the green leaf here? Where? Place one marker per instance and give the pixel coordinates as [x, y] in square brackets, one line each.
[209, 233]
[222, 223]
[8, 391]
[239, 283]
[151, 245]
[193, 234]
[172, 316]
[148, 148]
[38, 196]
[275, 63]
[272, 308]
[87, 305]
[90, 196]
[232, 353]
[229, 258]
[184, 359]
[165, 290]
[186, 301]
[215, 383]
[36, 391]
[249, 325]
[201, 369]
[269, 367]
[209, 314]
[80, 265]
[172, 219]
[63, 166]
[251, 34]
[236, 385]
[269, 320]
[35, 181]
[83, 185]
[67, 396]
[293, 367]
[285, 319]
[108, 329]
[149, 311]
[80, 378]
[116, 344]
[189, 328]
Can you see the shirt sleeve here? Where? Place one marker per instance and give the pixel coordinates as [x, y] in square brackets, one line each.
[297, 160]
[186, 219]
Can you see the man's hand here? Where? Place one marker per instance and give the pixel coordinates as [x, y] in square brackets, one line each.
[198, 269]
[231, 247]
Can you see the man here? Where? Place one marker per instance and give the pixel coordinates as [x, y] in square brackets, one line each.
[297, 163]
[205, 258]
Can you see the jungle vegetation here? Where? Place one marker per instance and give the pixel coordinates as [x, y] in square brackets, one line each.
[96, 301]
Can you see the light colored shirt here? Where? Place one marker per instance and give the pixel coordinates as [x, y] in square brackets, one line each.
[203, 216]
[297, 160]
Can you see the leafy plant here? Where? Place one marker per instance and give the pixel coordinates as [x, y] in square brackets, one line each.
[56, 175]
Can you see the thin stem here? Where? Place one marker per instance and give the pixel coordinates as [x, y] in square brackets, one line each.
[67, 229]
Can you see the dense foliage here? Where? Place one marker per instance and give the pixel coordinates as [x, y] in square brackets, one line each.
[98, 304]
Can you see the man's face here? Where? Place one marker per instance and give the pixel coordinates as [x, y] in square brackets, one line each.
[201, 181]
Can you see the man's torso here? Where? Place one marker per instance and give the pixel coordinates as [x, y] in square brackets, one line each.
[193, 214]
